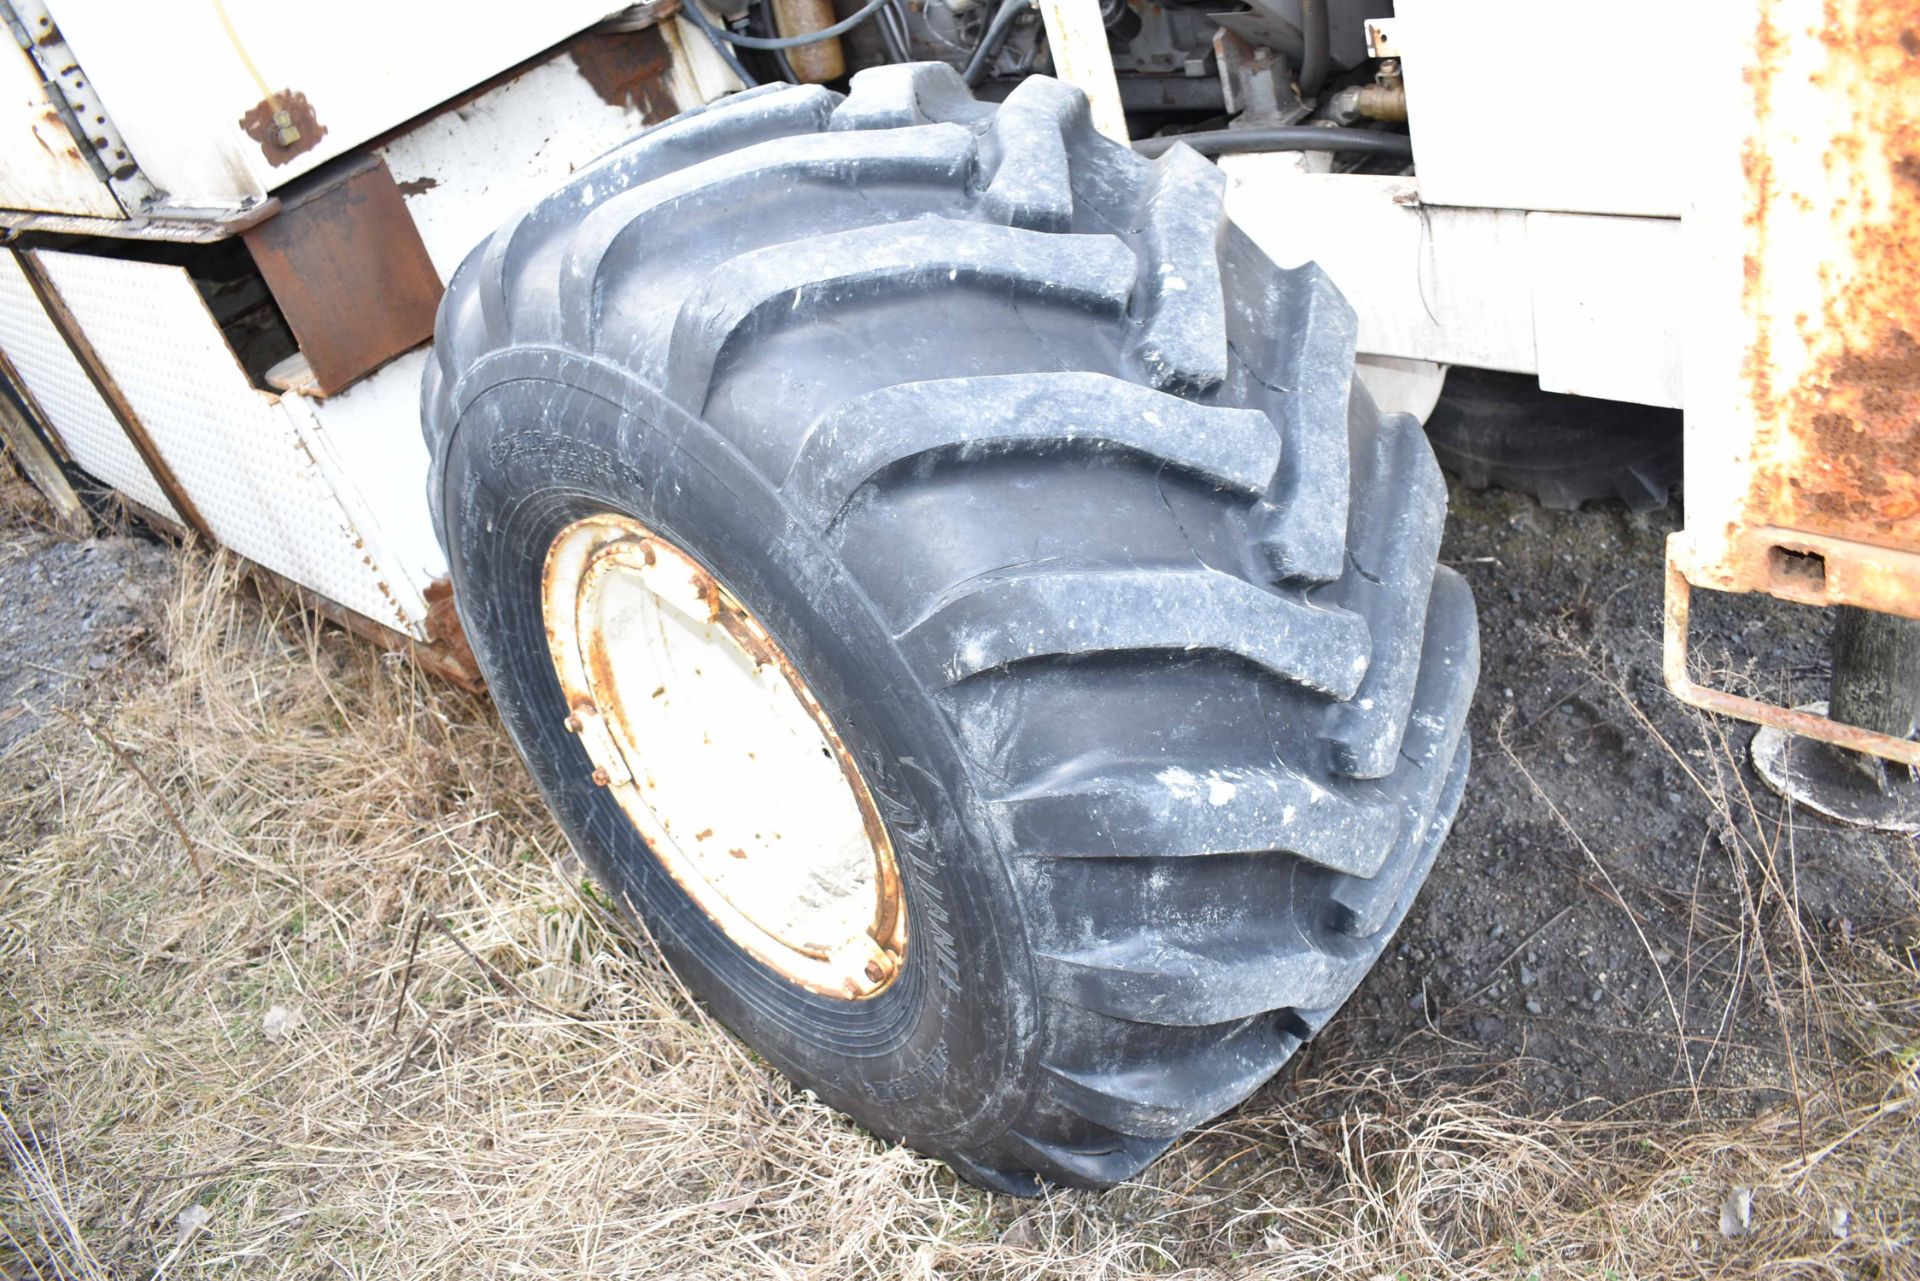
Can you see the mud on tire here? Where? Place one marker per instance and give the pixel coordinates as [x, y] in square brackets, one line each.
[1064, 500]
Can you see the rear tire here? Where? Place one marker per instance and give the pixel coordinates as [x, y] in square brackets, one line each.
[1492, 428]
[1063, 500]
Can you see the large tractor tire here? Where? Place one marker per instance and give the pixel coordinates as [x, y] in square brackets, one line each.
[1491, 428]
[951, 589]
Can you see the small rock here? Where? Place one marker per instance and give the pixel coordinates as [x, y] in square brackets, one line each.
[1496, 931]
[1595, 995]
[279, 1023]
[1673, 800]
[1839, 1219]
[1527, 977]
[191, 1220]
[1418, 1001]
[1533, 1006]
[1736, 1216]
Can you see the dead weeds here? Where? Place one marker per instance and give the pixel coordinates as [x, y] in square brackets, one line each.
[393, 1031]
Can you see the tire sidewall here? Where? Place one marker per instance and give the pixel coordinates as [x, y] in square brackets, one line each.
[544, 439]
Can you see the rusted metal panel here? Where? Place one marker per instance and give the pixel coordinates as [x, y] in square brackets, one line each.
[1814, 451]
[1803, 346]
[1803, 397]
[1832, 273]
[629, 69]
[348, 269]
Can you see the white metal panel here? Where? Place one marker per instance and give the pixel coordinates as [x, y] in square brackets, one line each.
[371, 433]
[41, 167]
[243, 457]
[177, 84]
[1515, 104]
[1590, 302]
[1607, 306]
[79, 417]
[1428, 284]
[468, 170]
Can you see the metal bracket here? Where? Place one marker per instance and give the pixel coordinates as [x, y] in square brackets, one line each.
[1806, 724]
[1383, 37]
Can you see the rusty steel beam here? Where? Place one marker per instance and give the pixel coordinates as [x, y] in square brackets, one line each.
[71, 333]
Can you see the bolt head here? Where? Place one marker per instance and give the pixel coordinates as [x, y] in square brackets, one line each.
[600, 777]
[876, 971]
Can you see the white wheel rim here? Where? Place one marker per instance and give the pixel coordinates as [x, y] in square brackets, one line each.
[721, 757]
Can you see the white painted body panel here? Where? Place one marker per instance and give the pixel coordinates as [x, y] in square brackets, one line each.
[253, 469]
[60, 388]
[1515, 104]
[177, 84]
[330, 493]
[1590, 303]
[40, 165]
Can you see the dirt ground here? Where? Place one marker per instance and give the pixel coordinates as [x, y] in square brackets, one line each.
[1584, 923]
[1644, 1020]
[70, 613]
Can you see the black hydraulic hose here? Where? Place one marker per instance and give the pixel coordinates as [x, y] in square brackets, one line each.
[692, 10]
[700, 20]
[993, 38]
[1220, 142]
[1313, 61]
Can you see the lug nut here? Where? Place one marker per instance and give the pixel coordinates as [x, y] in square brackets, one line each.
[600, 777]
[573, 724]
[876, 971]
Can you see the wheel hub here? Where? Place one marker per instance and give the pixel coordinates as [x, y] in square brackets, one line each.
[722, 758]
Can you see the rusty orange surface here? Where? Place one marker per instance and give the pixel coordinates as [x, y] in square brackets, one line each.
[1832, 271]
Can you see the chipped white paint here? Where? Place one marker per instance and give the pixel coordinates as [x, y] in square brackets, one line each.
[178, 84]
[40, 164]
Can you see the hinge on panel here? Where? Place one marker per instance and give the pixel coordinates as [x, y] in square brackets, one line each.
[79, 108]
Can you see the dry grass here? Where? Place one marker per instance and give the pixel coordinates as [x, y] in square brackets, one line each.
[395, 1034]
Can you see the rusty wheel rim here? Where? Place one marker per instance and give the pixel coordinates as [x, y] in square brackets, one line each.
[722, 758]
